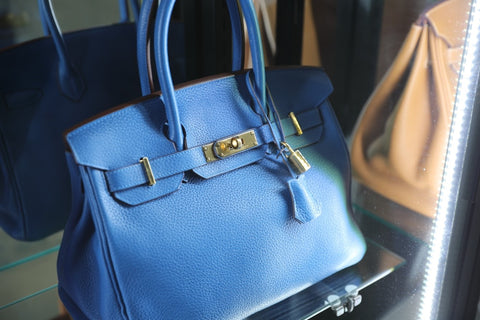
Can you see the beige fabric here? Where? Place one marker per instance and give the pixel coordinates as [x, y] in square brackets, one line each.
[399, 143]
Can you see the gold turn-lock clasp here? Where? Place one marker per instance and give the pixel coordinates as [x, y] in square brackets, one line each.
[297, 160]
[229, 146]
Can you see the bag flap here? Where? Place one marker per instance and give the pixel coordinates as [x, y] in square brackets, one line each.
[298, 88]
[121, 138]
[210, 110]
[217, 109]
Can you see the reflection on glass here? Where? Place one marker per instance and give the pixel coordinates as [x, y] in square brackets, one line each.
[399, 142]
[14, 253]
[462, 115]
[332, 292]
[399, 153]
[36, 305]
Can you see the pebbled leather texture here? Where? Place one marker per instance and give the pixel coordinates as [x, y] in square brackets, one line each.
[220, 243]
[305, 206]
[217, 248]
[34, 112]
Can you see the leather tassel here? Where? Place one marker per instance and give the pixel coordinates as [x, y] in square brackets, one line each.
[305, 207]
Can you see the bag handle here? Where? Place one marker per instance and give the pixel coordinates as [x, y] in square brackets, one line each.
[145, 25]
[163, 69]
[124, 14]
[70, 80]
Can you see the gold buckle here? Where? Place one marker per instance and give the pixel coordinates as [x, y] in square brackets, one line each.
[148, 171]
[299, 130]
[230, 146]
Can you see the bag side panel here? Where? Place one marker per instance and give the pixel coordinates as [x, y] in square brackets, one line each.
[84, 279]
[226, 247]
[11, 218]
[34, 113]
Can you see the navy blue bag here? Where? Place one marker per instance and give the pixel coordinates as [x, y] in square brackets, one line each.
[46, 86]
[197, 203]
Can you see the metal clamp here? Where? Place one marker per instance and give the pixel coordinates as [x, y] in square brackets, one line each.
[348, 304]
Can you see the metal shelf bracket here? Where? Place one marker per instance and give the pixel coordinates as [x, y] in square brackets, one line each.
[347, 304]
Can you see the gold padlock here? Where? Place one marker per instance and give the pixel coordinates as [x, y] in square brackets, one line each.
[297, 160]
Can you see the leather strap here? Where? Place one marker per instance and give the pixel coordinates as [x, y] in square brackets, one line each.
[165, 166]
[169, 165]
[163, 69]
[307, 120]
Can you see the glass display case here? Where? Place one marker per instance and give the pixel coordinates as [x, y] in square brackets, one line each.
[405, 77]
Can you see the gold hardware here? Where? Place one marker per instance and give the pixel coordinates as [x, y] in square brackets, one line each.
[148, 171]
[297, 160]
[236, 143]
[230, 146]
[222, 146]
[299, 130]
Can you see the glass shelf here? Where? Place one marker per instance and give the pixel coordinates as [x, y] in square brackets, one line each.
[28, 278]
[42, 305]
[14, 252]
[396, 216]
[40, 294]
[377, 264]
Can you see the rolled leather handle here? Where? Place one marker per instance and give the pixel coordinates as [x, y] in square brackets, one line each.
[70, 80]
[164, 13]
[145, 27]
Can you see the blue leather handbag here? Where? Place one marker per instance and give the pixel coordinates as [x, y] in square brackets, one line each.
[210, 200]
[46, 86]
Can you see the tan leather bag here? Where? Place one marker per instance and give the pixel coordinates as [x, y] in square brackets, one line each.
[399, 142]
